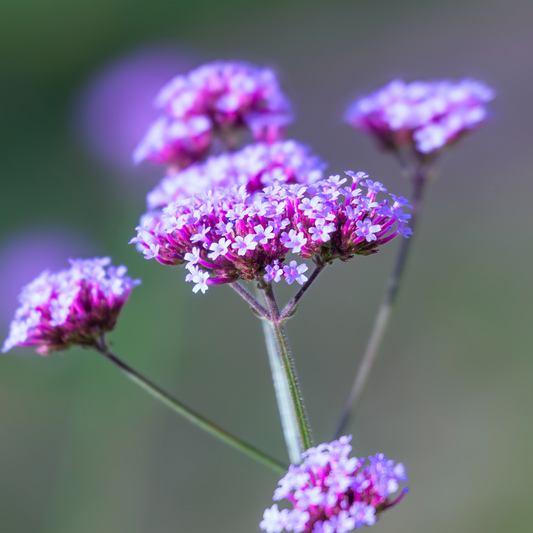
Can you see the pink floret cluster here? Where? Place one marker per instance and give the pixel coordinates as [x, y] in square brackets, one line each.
[216, 99]
[73, 306]
[426, 115]
[332, 493]
[227, 234]
[176, 143]
[255, 166]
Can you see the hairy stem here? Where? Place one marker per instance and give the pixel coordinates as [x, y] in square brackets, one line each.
[289, 422]
[254, 304]
[288, 368]
[187, 412]
[290, 307]
[384, 313]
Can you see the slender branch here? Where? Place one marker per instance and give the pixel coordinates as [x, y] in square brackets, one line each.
[288, 367]
[289, 308]
[289, 422]
[254, 304]
[385, 311]
[187, 412]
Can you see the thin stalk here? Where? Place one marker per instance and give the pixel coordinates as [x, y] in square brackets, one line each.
[289, 422]
[187, 412]
[254, 304]
[288, 368]
[384, 313]
[289, 308]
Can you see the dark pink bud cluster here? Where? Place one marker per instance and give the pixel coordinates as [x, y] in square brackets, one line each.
[73, 306]
[424, 115]
[219, 98]
[226, 234]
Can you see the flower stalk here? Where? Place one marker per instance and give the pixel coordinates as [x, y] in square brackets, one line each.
[289, 421]
[290, 308]
[285, 356]
[281, 379]
[419, 179]
[180, 408]
[256, 307]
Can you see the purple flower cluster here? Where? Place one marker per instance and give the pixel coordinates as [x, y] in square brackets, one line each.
[72, 306]
[332, 493]
[427, 115]
[226, 234]
[221, 97]
[176, 143]
[255, 166]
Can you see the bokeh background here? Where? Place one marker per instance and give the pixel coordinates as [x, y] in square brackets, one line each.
[82, 450]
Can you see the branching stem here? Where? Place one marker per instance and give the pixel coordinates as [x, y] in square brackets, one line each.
[289, 308]
[254, 304]
[187, 412]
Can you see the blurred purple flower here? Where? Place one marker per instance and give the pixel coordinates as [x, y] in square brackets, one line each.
[116, 105]
[230, 96]
[256, 166]
[176, 143]
[425, 115]
[49, 248]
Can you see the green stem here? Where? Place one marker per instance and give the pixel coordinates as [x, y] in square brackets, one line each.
[288, 368]
[289, 422]
[257, 308]
[187, 412]
[291, 306]
[384, 313]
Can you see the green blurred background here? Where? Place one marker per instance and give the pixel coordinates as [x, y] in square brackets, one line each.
[82, 450]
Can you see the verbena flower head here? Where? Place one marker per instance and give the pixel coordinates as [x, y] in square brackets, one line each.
[227, 96]
[231, 94]
[255, 166]
[176, 143]
[226, 234]
[425, 115]
[73, 306]
[332, 493]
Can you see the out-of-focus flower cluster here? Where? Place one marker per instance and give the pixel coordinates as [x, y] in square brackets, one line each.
[332, 493]
[426, 115]
[176, 143]
[217, 98]
[255, 166]
[226, 234]
[72, 306]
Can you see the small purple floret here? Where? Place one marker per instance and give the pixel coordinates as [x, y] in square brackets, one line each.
[273, 272]
[295, 272]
